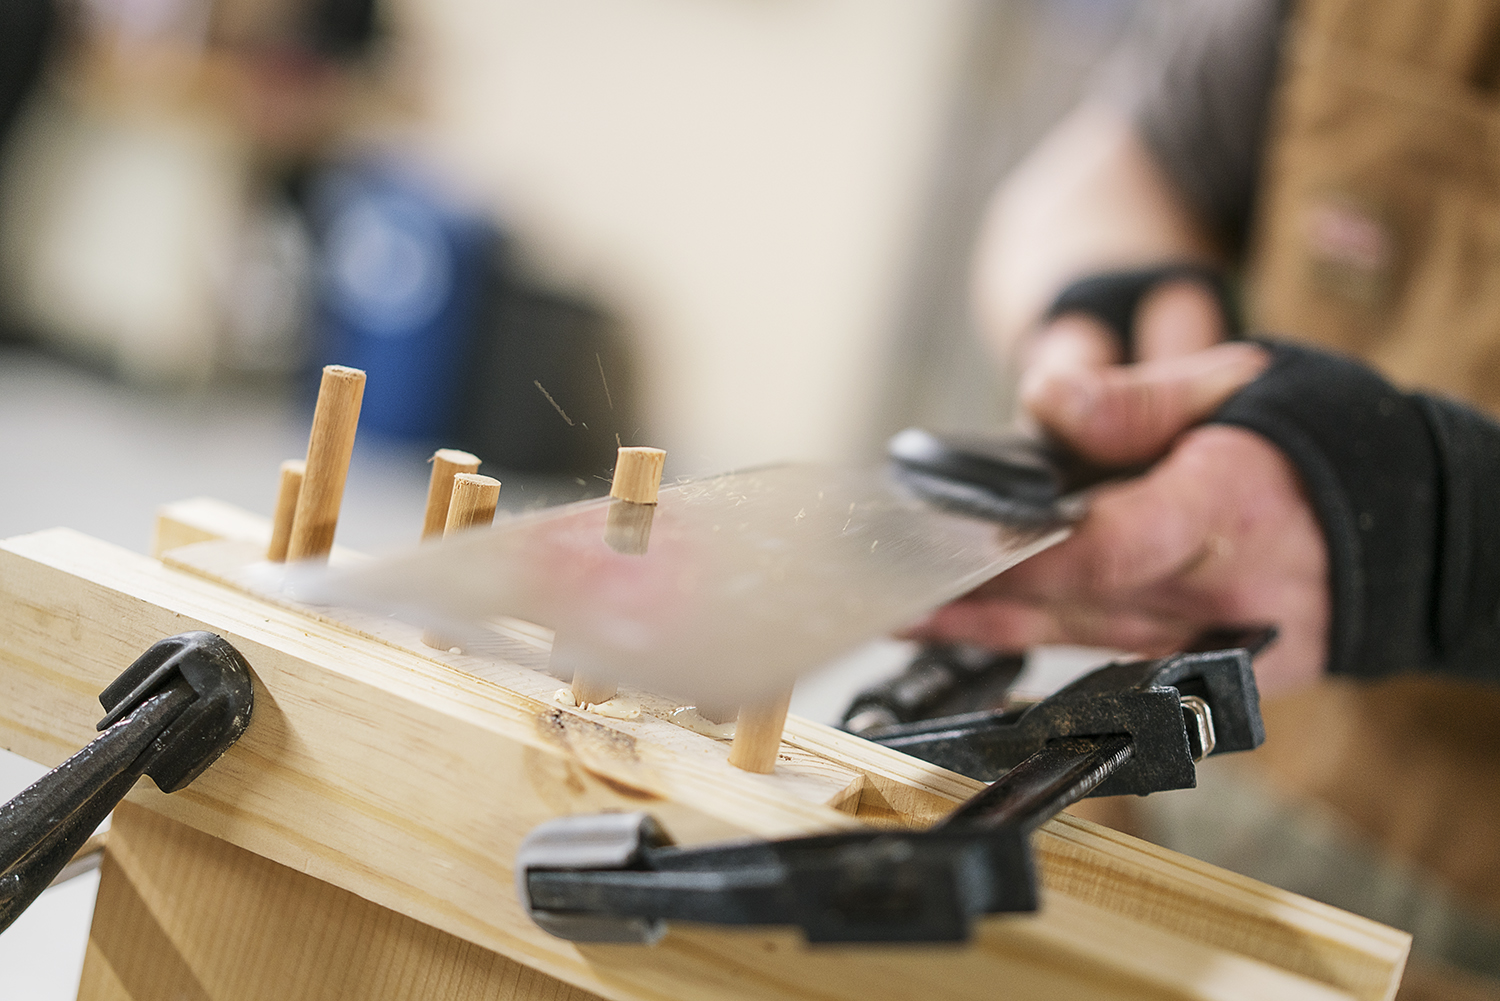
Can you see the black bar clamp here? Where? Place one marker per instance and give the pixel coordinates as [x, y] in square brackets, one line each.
[170, 715]
[1132, 726]
[1177, 710]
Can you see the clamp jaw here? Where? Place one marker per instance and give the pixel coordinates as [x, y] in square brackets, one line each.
[170, 715]
[1176, 710]
[1134, 726]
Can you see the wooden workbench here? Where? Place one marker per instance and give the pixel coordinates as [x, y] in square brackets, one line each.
[358, 841]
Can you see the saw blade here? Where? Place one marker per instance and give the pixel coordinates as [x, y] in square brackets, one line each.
[749, 578]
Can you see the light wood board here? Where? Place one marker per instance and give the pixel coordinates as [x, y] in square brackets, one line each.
[187, 917]
[408, 781]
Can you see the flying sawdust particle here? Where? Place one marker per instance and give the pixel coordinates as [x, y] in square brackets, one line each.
[607, 395]
[560, 412]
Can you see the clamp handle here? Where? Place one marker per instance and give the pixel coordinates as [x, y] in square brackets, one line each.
[170, 715]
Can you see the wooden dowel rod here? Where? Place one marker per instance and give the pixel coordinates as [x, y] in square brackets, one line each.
[446, 463]
[328, 450]
[627, 530]
[473, 502]
[471, 505]
[757, 735]
[292, 471]
[637, 474]
[627, 527]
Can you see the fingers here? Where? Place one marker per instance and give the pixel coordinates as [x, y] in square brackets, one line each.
[1018, 625]
[1072, 341]
[1124, 415]
[1137, 534]
[1103, 586]
[1220, 533]
[1178, 318]
[1174, 319]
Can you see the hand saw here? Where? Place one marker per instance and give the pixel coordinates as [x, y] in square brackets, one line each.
[750, 579]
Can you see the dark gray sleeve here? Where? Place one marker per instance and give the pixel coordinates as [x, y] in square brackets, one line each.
[1407, 490]
[1197, 76]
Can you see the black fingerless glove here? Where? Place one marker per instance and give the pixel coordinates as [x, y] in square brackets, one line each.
[1407, 488]
[1113, 297]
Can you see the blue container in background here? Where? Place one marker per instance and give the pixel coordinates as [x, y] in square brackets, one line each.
[400, 275]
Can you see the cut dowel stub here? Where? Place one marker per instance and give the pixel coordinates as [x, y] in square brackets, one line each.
[473, 502]
[757, 735]
[592, 691]
[627, 530]
[627, 527]
[637, 480]
[328, 450]
[446, 463]
[290, 486]
[637, 474]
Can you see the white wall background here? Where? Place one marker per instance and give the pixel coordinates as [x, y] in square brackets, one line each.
[743, 178]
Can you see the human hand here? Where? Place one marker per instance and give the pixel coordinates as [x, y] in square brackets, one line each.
[1217, 534]
[1177, 317]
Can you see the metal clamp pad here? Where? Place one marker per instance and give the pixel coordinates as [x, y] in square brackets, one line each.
[590, 841]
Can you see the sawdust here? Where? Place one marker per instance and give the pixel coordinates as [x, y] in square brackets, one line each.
[607, 395]
[555, 405]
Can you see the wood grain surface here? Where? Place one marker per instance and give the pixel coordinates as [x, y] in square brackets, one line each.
[187, 917]
[407, 777]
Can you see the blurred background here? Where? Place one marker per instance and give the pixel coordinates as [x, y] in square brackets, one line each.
[739, 230]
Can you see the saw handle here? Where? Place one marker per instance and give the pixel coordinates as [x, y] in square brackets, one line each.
[1015, 478]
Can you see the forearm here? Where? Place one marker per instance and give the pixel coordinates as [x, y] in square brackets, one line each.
[1089, 198]
[1405, 487]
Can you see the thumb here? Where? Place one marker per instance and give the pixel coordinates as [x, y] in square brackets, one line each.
[1131, 413]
